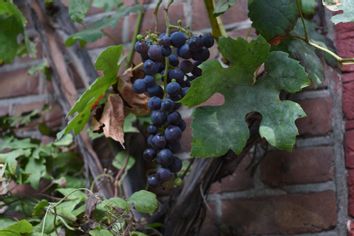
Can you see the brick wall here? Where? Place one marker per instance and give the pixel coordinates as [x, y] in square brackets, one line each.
[300, 193]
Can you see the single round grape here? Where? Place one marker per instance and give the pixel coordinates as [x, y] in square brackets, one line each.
[176, 165]
[174, 118]
[175, 97]
[184, 51]
[151, 67]
[139, 86]
[208, 40]
[173, 133]
[164, 40]
[173, 88]
[155, 53]
[153, 180]
[165, 157]
[166, 51]
[151, 129]
[149, 140]
[164, 174]
[161, 67]
[201, 55]
[197, 71]
[158, 141]
[174, 146]
[176, 74]
[185, 90]
[158, 118]
[178, 39]
[186, 66]
[141, 47]
[149, 80]
[173, 60]
[149, 154]
[195, 43]
[155, 91]
[167, 105]
[182, 125]
[154, 103]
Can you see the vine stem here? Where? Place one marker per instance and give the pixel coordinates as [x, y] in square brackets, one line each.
[299, 8]
[216, 24]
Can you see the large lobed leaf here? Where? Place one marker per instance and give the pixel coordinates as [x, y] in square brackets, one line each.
[219, 129]
[107, 62]
[273, 18]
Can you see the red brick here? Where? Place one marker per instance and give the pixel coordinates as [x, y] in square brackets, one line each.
[302, 166]
[240, 180]
[348, 98]
[349, 125]
[210, 227]
[349, 148]
[186, 140]
[319, 116]
[17, 83]
[351, 192]
[347, 77]
[237, 13]
[287, 214]
[115, 33]
[345, 42]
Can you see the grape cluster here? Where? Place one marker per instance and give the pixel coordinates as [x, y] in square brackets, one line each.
[175, 58]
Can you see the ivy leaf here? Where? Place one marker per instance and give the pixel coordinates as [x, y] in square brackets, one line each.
[39, 208]
[78, 9]
[216, 130]
[100, 232]
[10, 158]
[144, 201]
[12, 23]
[107, 62]
[273, 18]
[94, 31]
[35, 169]
[129, 121]
[20, 228]
[347, 6]
[120, 159]
[113, 203]
[221, 6]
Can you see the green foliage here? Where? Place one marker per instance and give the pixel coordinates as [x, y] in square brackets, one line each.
[94, 31]
[243, 95]
[78, 9]
[100, 232]
[120, 160]
[144, 201]
[221, 6]
[107, 62]
[273, 18]
[308, 7]
[20, 228]
[12, 24]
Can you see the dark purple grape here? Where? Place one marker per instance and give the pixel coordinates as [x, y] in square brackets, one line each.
[155, 53]
[173, 60]
[141, 47]
[164, 40]
[161, 68]
[197, 71]
[164, 174]
[158, 141]
[176, 165]
[155, 91]
[158, 118]
[165, 157]
[176, 74]
[151, 67]
[174, 146]
[149, 140]
[178, 39]
[175, 97]
[195, 43]
[167, 105]
[154, 103]
[173, 88]
[173, 133]
[187, 83]
[151, 129]
[166, 51]
[201, 55]
[149, 80]
[149, 154]
[186, 66]
[174, 118]
[184, 52]
[185, 90]
[182, 125]
[139, 86]
[208, 40]
[153, 180]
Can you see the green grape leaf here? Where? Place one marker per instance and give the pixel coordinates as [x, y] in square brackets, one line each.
[107, 62]
[115, 202]
[120, 160]
[94, 30]
[221, 6]
[20, 228]
[347, 6]
[216, 130]
[39, 208]
[144, 201]
[100, 232]
[78, 9]
[273, 18]
[12, 23]
[35, 169]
